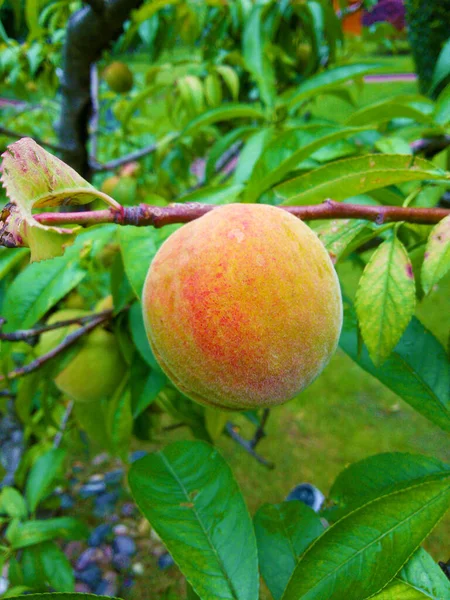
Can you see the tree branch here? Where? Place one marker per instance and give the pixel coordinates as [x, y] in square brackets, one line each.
[66, 343]
[156, 216]
[248, 447]
[64, 421]
[429, 147]
[89, 32]
[24, 334]
[260, 431]
[15, 134]
[123, 160]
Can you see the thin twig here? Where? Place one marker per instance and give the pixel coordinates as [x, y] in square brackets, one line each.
[174, 426]
[260, 431]
[429, 147]
[95, 109]
[66, 343]
[64, 421]
[24, 334]
[230, 428]
[157, 216]
[15, 134]
[123, 160]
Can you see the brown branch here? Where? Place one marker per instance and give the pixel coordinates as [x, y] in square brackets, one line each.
[156, 216]
[15, 134]
[429, 147]
[231, 429]
[123, 160]
[66, 343]
[24, 334]
[260, 432]
[62, 428]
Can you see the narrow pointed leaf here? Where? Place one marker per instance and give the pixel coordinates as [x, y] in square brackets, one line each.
[189, 495]
[336, 235]
[386, 110]
[287, 151]
[327, 80]
[224, 113]
[437, 255]
[35, 532]
[385, 299]
[362, 552]
[283, 532]
[417, 370]
[352, 176]
[378, 475]
[42, 475]
[420, 579]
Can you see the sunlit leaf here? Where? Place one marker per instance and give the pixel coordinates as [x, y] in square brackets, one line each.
[437, 255]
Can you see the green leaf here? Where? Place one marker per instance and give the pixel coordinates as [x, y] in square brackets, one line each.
[9, 258]
[437, 255]
[386, 110]
[378, 475]
[214, 194]
[287, 151]
[215, 421]
[250, 153]
[442, 107]
[417, 370]
[139, 335]
[39, 287]
[227, 112]
[317, 84]
[34, 532]
[230, 78]
[33, 575]
[57, 569]
[283, 532]
[189, 495]
[420, 578]
[362, 552]
[336, 235]
[42, 476]
[255, 55]
[154, 384]
[12, 503]
[62, 597]
[385, 299]
[442, 67]
[120, 421]
[222, 145]
[352, 176]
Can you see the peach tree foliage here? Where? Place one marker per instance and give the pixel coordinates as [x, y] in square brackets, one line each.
[383, 221]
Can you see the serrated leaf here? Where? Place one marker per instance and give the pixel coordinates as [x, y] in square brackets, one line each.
[336, 235]
[417, 370]
[189, 495]
[283, 532]
[352, 176]
[56, 568]
[361, 553]
[287, 151]
[437, 255]
[385, 299]
[34, 178]
[42, 475]
[420, 579]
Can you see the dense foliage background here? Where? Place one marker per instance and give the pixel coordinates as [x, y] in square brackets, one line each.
[285, 103]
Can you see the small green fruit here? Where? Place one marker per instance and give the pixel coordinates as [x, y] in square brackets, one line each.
[118, 77]
[98, 367]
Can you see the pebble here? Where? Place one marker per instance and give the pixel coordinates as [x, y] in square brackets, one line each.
[128, 582]
[100, 459]
[86, 558]
[73, 549]
[67, 502]
[165, 561]
[96, 477]
[108, 586]
[99, 535]
[137, 455]
[91, 575]
[121, 562]
[4, 583]
[82, 588]
[94, 488]
[114, 477]
[123, 544]
[128, 509]
[106, 555]
[120, 529]
[105, 503]
[138, 568]
[77, 467]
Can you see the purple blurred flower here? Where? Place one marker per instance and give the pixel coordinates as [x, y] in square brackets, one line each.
[391, 11]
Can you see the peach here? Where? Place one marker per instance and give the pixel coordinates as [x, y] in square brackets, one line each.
[242, 307]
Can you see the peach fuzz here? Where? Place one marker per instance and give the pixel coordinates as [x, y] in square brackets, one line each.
[242, 307]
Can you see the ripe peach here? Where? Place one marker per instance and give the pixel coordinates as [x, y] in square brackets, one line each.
[242, 307]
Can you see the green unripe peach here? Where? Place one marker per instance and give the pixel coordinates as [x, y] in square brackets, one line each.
[97, 368]
[118, 77]
[242, 307]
